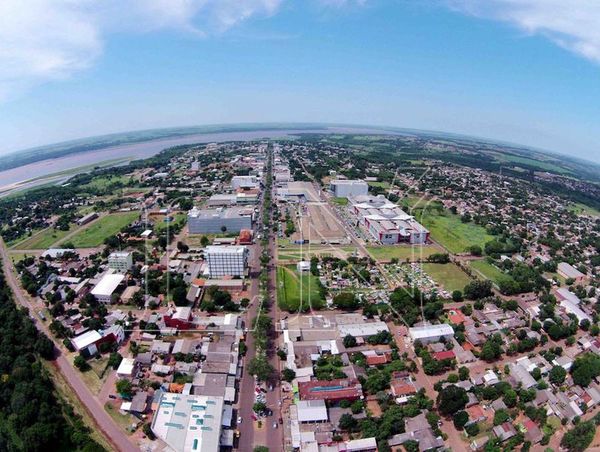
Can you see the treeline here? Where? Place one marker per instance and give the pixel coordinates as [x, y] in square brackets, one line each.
[32, 417]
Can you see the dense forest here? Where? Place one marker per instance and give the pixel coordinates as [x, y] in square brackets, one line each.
[32, 418]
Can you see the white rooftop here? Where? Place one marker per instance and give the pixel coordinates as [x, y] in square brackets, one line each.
[312, 411]
[419, 332]
[85, 339]
[225, 249]
[126, 366]
[107, 285]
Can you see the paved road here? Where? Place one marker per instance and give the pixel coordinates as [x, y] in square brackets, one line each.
[103, 421]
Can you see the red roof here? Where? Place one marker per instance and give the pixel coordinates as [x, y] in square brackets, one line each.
[245, 236]
[456, 317]
[401, 388]
[334, 390]
[446, 354]
[373, 360]
[475, 412]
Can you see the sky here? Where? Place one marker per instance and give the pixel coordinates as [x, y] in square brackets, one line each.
[523, 71]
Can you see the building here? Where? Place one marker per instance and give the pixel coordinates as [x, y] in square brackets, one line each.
[245, 237]
[226, 260]
[126, 368]
[189, 422]
[120, 261]
[332, 390]
[216, 221]
[387, 223]
[180, 319]
[87, 218]
[105, 288]
[312, 411]
[567, 271]
[244, 182]
[431, 333]
[343, 188]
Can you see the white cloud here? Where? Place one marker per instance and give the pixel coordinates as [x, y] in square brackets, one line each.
[43, 40]
[571, 24]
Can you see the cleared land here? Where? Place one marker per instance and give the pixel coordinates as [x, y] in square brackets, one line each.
[297, 292]
[402, 252]
[449, 276]
[102, 228]
[319, 224]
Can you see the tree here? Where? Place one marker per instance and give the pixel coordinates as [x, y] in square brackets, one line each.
[492, 349]
[457, 296]
[557, 375]
[204, 241]
[288, 375]
[346, 301]
[259, 407]
[81, 363]
[347, 422]
[510, 398]
[349, 341]
[477, 289]
[124, 387]
[259, 366]
[585, 368]
[261, 449]
[451, 399]
[578, 439]
[463, 373]
[460, 419]
[179, 296]
[114, 360]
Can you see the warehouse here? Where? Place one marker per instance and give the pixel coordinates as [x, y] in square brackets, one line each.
[217, 221]
[343, 188]
[431, 333]
[105, 288]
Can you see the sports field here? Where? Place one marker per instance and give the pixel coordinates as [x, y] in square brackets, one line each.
[102, 228]
[449, 276]
[297, 293]
[402, 252]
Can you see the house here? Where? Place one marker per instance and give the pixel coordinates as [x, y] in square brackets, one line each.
[504, 431]
[103, 291]
[333, 390]
[567, 271]
[127, 368]
[310, 411]
[181, 318]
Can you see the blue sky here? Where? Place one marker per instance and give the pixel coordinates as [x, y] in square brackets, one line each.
[526, 71]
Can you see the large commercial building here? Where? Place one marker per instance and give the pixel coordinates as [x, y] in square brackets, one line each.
[120, 261]
[343, 188]
[105, 288]
[215, 221]
[245, 182]
[386, 222]
[226, 260]
[431, 333]
[189, 422]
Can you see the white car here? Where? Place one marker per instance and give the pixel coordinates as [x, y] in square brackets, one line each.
[239, 419]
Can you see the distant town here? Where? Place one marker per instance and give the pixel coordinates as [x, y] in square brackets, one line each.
[318, 294]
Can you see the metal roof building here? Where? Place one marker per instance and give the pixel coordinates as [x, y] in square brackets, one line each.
[431, 333]
[106, 286]
[312, 411]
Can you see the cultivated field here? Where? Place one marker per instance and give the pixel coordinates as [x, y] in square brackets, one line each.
[297, 292]
[102, 228]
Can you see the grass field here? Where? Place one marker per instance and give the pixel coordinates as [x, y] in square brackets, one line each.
[43, 239]
[449, 231]
[102, 228]
[402, 252]
[489, 271]
[379, 184]
[161, 225]
[67, 394]
[579, 209]
[103, 182]
[340, 201]
[448, 275]
[297, 292]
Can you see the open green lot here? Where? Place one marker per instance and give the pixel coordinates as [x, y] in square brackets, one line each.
[489, 271]
[43, 239]
[582, 209]
[341, 201]
[402, 252]
[449, 231]
[103, 182]
[160, 224]
[448, 276]
[102, 228]
[297, 292]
